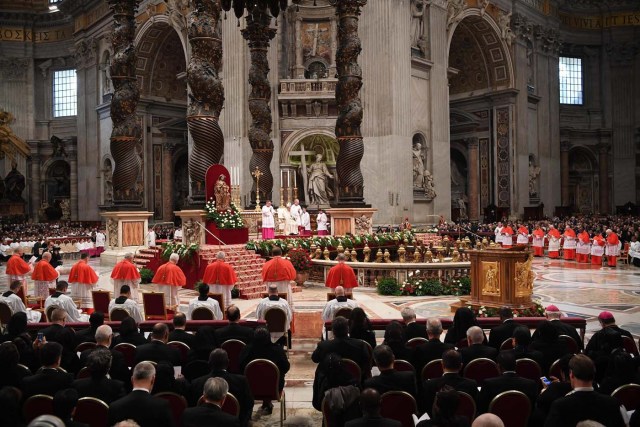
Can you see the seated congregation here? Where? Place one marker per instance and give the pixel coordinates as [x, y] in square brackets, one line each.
[110, 372]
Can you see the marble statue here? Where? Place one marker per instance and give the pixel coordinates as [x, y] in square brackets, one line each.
[418, 166]
[454, 10]
[319, 191]
[222, 195]
[429, 187]
[534, 172]
[504, 22]
[462, 204]
[108, 185]
[417, 22]
[14, 184]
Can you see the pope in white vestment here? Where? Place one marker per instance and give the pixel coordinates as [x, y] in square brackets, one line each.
[296, 214]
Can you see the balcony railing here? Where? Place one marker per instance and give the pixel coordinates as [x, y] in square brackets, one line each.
[302, 87]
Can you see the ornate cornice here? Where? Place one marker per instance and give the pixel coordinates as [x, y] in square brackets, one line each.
[85, 53]
[522, 27]
[548, 39]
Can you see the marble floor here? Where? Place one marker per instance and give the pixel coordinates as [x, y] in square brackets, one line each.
[577, 289]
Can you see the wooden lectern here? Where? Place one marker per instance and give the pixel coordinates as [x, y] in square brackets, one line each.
[501, 277]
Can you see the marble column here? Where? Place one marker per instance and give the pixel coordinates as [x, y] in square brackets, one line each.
[564, 172]
[603, 169]
[35, 184]
[474, 178]
[167, 181]
[334, 47]
[73, 190]
[299, 67]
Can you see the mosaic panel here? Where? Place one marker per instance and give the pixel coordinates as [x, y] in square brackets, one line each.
[503, 132]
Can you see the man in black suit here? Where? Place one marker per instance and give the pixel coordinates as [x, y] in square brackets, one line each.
[57, 328]
[431, 350]
[390, 379]
[238, 385]
[583, 403]
[557, 389]
[502, 332]
[98, 385]
[346, 347]
[370, 405]
[64, 407]
[233, 330]
[521, 340]
[49, 379]
[119, 369]
[553, 314]
[88, 334]
[451, 365]
[476, 349]
[157, 350]
[412, 328]
[139, 405]
[209, 412]
[508, 380]
[179, 332]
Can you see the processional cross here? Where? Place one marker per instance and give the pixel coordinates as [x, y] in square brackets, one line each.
[257, 174]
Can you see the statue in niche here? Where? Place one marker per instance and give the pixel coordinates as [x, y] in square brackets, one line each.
[529, 62]
[418, 166]
[462, 204]
[58, 147]
[319, 191]
[221, 192]
[108, 184]
[417, 24]
[534, 172]
[14, 184]
[504, 22]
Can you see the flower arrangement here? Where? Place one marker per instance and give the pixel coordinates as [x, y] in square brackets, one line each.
[300, 259]
[186, 252]
[229, 219]
[536, 311]
[419, 285]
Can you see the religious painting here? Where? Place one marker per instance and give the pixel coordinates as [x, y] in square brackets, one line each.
[316, 41]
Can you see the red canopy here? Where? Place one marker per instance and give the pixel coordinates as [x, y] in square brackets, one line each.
[169, 274]
[278, 269]
[219, 273]
[44, 272]
[17, 266]
[125, 270]
[82, 272]
[341, 275]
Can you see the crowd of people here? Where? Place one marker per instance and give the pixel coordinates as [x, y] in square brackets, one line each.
[291, 220]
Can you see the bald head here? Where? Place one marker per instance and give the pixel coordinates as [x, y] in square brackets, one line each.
[103, 335]
[475, 335]
[339, 291]
[46, 256]
[487, 420]
[341, 257]
[370, 402]
[220, 255]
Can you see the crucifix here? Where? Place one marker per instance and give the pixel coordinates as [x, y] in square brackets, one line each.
[315, 33]
[257, 174]
[303, 165]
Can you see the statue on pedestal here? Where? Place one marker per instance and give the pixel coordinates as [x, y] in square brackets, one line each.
[222, 195]
[417, 25]
[14, 184]
[319, 191]
[534, 172]
[418, 166]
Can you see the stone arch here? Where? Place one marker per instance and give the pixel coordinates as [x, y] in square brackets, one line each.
[583, 180]
[294, 139]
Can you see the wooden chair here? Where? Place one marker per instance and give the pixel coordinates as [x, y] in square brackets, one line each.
[528, 368]
[481, 369]
[432, 370]
[415, 342]
[177, 404]
[129, 353]
[39, 404]
[504, 406]
[195, 369]
[506, 344]
[220, 299]
[83, 373]
[231, 405]
[629, 396]
[183, 349]
[5, 313]
[347, 293]
[555, 370]
[343, 312]
[92, 411]
[85, 346]
[264, 380]
[571, 344]
[154, 308]
[276, 319]
[202, 313]
[403, 366]
[399, 406]
[466, 406]
[630, 345]
[353, 369]
[233, 349]
[101, 300]
[118, 314]
[623, 257]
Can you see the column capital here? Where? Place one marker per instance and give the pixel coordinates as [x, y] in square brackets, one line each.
[565, 146]
[603, 148]
[169, 147]
[472, 143]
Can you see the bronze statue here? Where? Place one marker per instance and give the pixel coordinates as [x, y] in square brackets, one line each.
[221, 192]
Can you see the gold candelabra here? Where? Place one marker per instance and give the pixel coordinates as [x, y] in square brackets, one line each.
[235, 196]
[257, 174]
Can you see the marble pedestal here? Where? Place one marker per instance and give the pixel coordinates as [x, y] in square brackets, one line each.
[193, 226]
[356, 221]
[126, 232]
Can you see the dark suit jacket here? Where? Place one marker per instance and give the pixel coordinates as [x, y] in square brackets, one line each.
[392, 380]
[431, 387]
[585, 405]
[85, 335]
[104, 389]
[550, 352]
[51, 332]
[373, 422]
[183, 336]
[119, 370]
[476, 351]
[272, 352]
[157, 351]
[415, 330]
[233, 331]
[425, 353]
[238, 386]
[141, 407]
[348, 348]
[505, 382]
[135, 338]
[563, 329]
[208, 414]
[545, 399]
[11, 376]
[501, 333]
[523, 353]
[47, 381]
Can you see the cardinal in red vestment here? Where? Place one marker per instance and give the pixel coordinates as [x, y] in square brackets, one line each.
[582, 253]
[17, 267]
[221, 278]
[44, 276]
[597, 249]
[554, 243]
[169, 278]
[538, 242]
[341, 275]
[126, 273]
[569, 248]
[279, 271]
[507, 237]
[612, 248]
[83, 279]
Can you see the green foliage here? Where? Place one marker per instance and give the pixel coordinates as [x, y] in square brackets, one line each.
[146, 275]
[229, 219]
[388, 286]
[185, 252]
[235, 292]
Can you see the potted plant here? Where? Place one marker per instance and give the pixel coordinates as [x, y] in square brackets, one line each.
[301, 261]
[146, 275]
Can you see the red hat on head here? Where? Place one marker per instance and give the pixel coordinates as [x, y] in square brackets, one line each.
[605, 315]
[552, 308]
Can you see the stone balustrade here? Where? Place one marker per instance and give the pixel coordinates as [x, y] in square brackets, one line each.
[307, 86]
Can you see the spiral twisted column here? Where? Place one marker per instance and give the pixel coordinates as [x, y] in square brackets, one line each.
[127, 132]
[350, 181]
[258, 34]
[206, 96]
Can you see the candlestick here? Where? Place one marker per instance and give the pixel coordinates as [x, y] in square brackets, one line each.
[257, 174]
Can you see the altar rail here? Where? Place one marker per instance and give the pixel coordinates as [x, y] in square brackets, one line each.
[369, 272]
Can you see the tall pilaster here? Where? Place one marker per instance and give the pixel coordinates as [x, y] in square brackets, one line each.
[564, 172]
[334, 46]
[167, 181]
[348, 133]
[35, 182]
[127, 132]
[299, 67]
[73, 188]
[603, 177]
[474, 179]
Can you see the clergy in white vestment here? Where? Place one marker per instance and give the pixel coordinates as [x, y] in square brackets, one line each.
[203, 300]
[339, 302]
[290, 226]
[101, 239]
[271, 301]
[125, 302]
[268, 221]
[498, 233]
[283, 213]
[305, 222]
[634, 251]
[16, 304]
[151, 237]
[60, 300]
[321, 220]
[296, 215]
